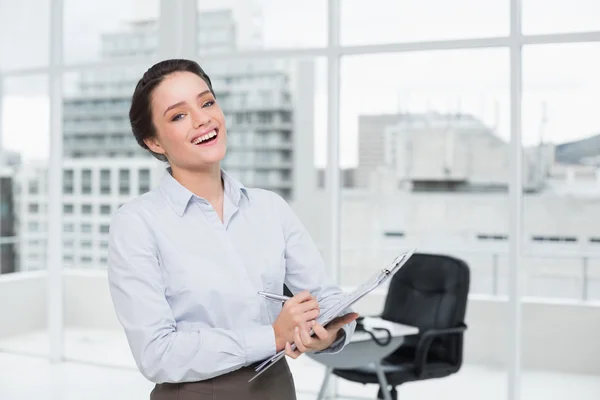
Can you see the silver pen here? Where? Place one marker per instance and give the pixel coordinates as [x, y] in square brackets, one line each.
[274, 297]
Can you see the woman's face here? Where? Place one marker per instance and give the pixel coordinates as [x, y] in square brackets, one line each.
[190, 126]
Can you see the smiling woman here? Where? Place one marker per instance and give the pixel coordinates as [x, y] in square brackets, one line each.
[187, 259]
[186, 110]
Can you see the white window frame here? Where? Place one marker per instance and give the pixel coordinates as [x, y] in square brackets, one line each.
[177, 22]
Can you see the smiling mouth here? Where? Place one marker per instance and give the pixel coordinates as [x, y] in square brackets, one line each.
[206, 138]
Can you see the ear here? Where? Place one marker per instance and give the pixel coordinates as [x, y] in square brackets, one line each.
[154, 145]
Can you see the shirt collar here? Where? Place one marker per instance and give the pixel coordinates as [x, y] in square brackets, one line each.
[178, 196]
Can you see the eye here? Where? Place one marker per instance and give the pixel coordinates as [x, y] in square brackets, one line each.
[208, 103]
[177, 117]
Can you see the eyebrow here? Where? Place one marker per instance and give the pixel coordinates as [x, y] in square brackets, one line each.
[183, 102]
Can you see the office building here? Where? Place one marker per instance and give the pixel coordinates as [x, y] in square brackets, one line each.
[8, 257]
[259, 99]
[264, 103]
[31, 214]
[93, 189]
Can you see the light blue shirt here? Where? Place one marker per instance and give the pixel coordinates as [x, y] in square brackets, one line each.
[184, 284]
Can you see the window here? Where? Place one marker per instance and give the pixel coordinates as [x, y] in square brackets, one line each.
[554, 239]
[68, 228]
[105, 181]
[230, 25]
[428, 125]
[86, 259]
[86, 209]
[388, 21]
[34, 187]
[86, 228]
[33, 208]
[124, 182]
[393, 234]
[144, 180]
[67, 208]
[33, 227]
[105, 209]
[556, 16]
[24, 29]
[104, 228]
[86, 181]
[68, 178]
[482, 236]
[92, 35]
[86, 244]
[103, 244]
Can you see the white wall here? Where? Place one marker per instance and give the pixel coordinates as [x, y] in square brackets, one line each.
[16, 315]
[87, 301]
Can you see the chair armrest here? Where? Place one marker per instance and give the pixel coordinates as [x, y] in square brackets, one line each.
[425, 343]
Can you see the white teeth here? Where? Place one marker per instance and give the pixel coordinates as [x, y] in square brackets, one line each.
[203, 138]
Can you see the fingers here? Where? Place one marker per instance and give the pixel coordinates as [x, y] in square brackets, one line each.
[291, 353]
[321, 332]
[311, 315]
[298, 341]
[349, 318]
[303, 317]
[307, 341]
[308, 305]
[343, 320]
[303, 302]
[300, 297]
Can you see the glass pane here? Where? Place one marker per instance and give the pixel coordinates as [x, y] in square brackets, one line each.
[561, 125]
[559, 16]
[111, 29]
[229, 25]
[101, 164]
[21, 31]
[429, 150]
[96, 114]
[273, 111]
[388, 21]
[23, 214]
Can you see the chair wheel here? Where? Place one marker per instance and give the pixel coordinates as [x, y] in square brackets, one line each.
[393, 393]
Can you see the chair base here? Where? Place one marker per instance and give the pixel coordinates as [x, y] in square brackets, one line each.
[393, 393]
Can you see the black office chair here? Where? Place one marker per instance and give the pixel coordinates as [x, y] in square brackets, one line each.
[429, 292]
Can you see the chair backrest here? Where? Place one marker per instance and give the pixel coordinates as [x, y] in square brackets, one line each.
[430, 292]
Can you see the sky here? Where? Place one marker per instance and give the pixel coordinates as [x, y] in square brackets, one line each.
[561, 78]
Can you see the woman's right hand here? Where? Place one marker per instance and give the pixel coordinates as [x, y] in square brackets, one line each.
[297, 311]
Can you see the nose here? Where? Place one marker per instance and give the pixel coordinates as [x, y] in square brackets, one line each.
[200, 117]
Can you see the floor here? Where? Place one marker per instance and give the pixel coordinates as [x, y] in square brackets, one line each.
[25, 377]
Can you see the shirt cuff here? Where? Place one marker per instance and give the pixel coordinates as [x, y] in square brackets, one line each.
[259, 343]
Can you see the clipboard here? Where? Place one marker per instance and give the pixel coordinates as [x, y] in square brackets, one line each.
[344, 303]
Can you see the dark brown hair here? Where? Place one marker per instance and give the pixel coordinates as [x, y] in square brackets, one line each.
[140, 113]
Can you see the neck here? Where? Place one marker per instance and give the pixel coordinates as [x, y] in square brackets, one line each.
[206, 183]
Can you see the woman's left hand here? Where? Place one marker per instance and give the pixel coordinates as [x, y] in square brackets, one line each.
[324, 338]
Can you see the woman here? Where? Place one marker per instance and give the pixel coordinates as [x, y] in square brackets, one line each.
[187, 259]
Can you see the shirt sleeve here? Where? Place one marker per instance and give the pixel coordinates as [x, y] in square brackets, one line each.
[161, 352]
[305, 268]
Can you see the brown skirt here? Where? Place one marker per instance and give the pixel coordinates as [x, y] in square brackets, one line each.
[276, 383]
